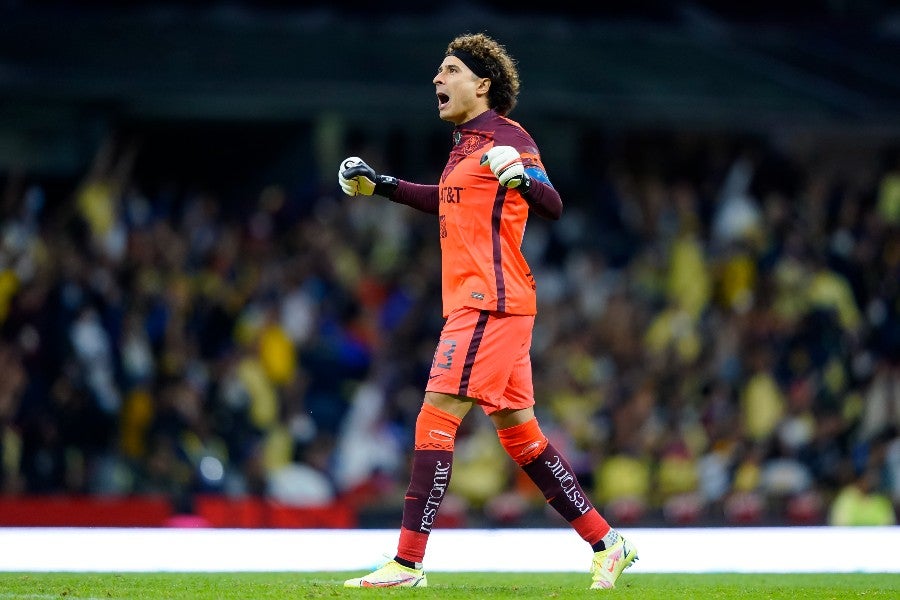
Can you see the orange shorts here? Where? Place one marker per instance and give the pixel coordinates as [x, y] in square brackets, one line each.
[485, 356]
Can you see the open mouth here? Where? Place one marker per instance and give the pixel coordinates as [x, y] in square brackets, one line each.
[443, 100]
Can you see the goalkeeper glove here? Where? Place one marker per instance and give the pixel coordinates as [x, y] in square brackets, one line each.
[506, 164]
[357, 178]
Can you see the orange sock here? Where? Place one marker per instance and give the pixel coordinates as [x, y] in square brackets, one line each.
[523, 442]
[435, 429]
[552, 474]
[431, 468]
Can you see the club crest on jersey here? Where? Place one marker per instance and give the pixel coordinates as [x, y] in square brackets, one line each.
[477, 295]
[471, 143]
[467, 145]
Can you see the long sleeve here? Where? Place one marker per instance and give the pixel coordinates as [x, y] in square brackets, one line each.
[418, 196]
[544, 200]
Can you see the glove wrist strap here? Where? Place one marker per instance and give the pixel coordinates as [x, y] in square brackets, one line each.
[385, 185]
[525, 187]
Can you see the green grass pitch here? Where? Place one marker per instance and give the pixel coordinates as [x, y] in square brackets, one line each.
[444, 585]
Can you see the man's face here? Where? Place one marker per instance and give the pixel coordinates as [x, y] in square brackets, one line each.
[461, 95]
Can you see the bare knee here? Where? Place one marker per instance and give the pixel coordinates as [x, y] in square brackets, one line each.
[458, 406]
[509, 417]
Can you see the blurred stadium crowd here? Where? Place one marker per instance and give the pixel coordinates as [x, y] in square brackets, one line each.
[718, 340]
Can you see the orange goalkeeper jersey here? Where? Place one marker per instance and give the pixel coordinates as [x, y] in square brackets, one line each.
[482, 223]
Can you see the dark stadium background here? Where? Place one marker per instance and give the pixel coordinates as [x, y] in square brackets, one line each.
[643, 110]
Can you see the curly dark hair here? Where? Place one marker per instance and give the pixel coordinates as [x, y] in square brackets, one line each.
[504, 76]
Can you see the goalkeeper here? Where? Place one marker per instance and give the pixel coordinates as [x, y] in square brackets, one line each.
[493, 179]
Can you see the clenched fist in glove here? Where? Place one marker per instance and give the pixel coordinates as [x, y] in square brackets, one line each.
[357, 178]
[506, 164]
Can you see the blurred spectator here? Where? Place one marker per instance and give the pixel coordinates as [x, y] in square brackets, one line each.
[859, 503]
[11, 385]
[889, 193]
[731, 336]
[881, 401]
